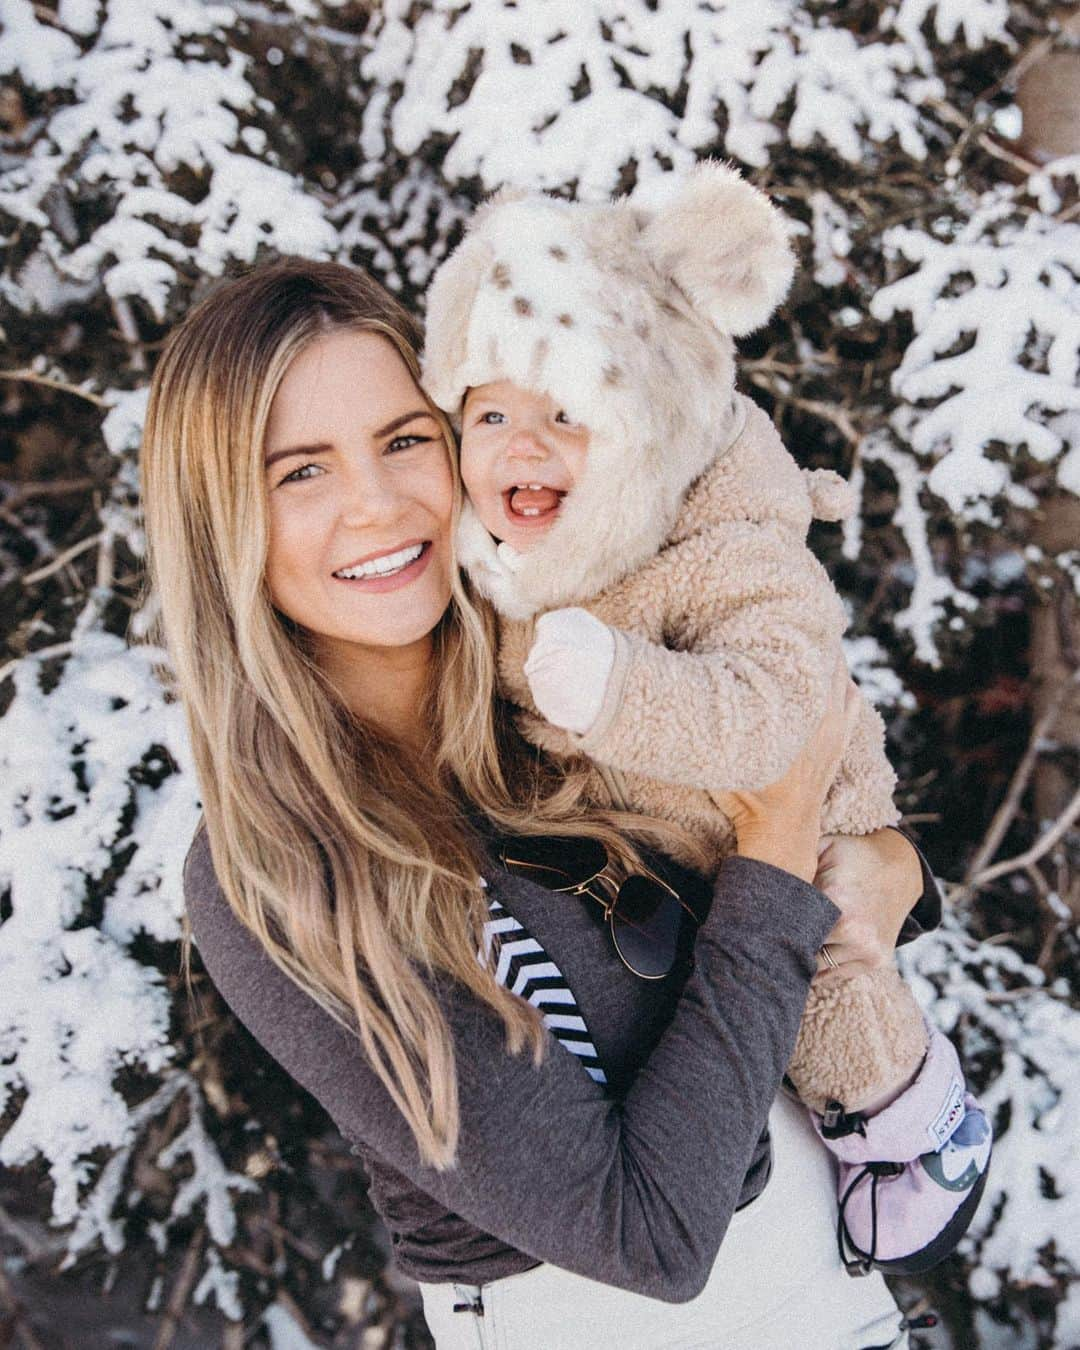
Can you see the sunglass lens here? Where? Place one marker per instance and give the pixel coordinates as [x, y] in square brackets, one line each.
[645, 925]
[551, 878]
[555, 863]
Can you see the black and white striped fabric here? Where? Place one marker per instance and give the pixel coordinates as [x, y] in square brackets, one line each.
[526, 969]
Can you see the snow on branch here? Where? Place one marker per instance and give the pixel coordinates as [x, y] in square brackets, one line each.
[1026, 1036]
[159, 104]
[90, 774]
[978, 21]
[148, 161]
[558, 94]
[210, 1183]
[932, 592]
[995, 304]
[41, 54]
[397, 217]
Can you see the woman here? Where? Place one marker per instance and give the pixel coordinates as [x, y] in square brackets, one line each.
[368, 819]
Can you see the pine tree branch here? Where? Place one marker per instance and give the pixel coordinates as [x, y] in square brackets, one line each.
[32, 377]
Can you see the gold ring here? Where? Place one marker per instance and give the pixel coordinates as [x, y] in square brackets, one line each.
[830, 960]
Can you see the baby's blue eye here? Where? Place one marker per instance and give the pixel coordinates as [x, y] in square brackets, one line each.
[493, 413]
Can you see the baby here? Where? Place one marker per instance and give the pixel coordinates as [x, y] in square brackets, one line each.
[641, 532]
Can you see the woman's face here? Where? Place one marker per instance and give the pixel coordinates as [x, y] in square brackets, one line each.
[360, 490]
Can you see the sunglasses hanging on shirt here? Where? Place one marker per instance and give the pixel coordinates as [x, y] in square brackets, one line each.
[643, 913]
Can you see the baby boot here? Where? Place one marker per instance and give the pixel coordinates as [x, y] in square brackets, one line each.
[911, 1175]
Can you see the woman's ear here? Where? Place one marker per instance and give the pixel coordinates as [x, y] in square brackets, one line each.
[450, 299]
[723, 242]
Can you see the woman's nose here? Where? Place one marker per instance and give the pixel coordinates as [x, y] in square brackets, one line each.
[369, 496]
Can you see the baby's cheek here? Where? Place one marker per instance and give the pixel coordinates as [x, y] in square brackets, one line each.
[489, 511]
[481, 492]
[468, 464]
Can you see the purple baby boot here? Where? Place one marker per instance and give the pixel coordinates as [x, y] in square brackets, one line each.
[911, 1174]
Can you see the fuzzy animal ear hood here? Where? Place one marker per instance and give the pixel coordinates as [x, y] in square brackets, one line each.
[625, 313]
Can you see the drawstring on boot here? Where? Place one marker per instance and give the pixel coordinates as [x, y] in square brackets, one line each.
[836, 1122]
[862, 1263]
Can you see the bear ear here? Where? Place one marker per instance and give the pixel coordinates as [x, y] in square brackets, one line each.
[450, 298]
[722, 241]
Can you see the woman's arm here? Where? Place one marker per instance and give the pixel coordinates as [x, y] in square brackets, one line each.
[636, 1193]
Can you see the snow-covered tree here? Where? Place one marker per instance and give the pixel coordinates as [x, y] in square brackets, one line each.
[930, 350]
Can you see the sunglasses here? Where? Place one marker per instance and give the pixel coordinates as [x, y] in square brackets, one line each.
[643, 913]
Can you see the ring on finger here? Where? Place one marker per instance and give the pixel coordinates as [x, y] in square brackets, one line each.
[830, 960]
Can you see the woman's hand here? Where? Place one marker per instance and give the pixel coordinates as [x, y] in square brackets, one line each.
[781, 823]
[875, 879]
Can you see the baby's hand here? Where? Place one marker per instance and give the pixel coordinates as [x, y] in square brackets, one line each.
[568, 667]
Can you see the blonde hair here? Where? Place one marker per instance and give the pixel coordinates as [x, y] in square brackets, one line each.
[344, 852]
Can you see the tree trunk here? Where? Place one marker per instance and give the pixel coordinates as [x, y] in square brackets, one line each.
[1055, 657]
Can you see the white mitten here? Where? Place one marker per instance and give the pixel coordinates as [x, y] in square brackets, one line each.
[568, 667]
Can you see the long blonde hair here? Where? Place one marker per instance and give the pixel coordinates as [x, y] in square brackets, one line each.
[345, 853]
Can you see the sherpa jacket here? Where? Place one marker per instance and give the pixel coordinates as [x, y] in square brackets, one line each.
[724, 643]
[685, 532]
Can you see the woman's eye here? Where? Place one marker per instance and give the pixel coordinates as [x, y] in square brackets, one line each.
[298, 475]
[405, 442]
[560, 416]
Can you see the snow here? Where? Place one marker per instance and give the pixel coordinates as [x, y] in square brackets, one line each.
[31, 49]
[144, 107]
[285, 1332]
[832, 240]
[868, 662]
[977, 21]
[1036, 1037]
[1021, 293]
[1043, 183]
[932, 593]
[153, 159]
[524, 119]
[1067, 426]
[222, 1286]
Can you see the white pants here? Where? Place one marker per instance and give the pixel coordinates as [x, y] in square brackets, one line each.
[776, 1284]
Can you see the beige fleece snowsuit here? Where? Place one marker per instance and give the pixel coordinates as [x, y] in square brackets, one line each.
[686, 534]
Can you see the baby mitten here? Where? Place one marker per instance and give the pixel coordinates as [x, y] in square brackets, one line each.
[568, 667]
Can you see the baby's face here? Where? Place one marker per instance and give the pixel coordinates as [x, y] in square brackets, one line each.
[520, 456]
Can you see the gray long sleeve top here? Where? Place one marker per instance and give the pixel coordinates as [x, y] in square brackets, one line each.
[632, 1183]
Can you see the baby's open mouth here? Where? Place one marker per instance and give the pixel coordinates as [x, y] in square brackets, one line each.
[531, 502]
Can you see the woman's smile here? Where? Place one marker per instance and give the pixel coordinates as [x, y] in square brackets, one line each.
[387, 571]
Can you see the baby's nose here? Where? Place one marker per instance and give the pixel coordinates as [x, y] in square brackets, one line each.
[526, 444]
